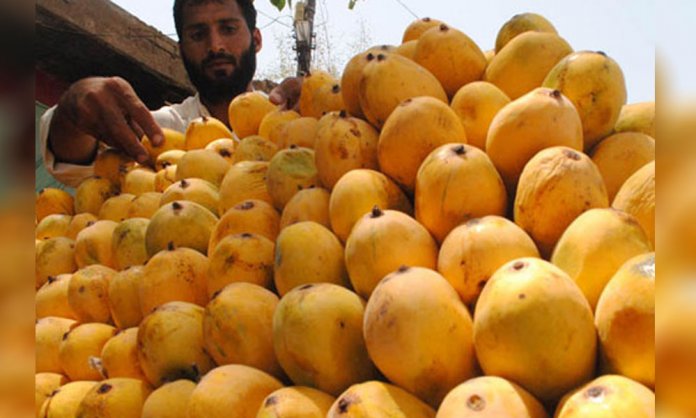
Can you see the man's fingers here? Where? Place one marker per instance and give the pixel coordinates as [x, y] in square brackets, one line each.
[287, 93]
[276, 97]
[138, 113]
[120, 133]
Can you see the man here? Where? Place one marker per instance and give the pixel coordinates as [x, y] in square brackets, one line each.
[218, 41]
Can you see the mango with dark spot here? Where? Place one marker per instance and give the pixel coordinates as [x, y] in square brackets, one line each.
[375, 399]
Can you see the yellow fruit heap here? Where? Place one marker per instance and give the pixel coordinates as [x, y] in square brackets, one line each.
[429, 236]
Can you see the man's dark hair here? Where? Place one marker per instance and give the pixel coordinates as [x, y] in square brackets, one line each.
[246, 6]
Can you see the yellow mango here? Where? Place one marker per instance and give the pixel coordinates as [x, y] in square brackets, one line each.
[620, 155]
[169, 400]
[244, 257]
[549, 197]
[383, 241]
[181, 223]
[415, 128]
[119, 356]
[490, 397]
[48, 334]
[203, 164]
[307, 252]
[455, 183]
[124, 297]
[53, 257]
[170, 344]
[608, 396]
[233, 387]
[238, 327]
[246, 112]
[296, 402]
[52, 298]
[174, 274]
[254, 148]
[595, 245]
[204, 130]
[540, 119]
[80, 346]
[419, 333]
[310, 204]
[451, 56]
[93, 245]
[525, 61]
[375, 399]
[317, 337]
[389, 79]
[250, 216]
[344, 143]
[625, 319]
[88, 293]
[520, 23]
[533, 326]
[244, 180]
[476, 104]
[595, 84]
[473, 251]
[120, 397]
[351, 76]
[637, 197]
[51, 201]
[356, 193]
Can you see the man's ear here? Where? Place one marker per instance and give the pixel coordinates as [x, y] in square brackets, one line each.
[258, 41]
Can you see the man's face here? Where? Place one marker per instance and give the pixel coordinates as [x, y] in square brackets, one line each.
[218, 50]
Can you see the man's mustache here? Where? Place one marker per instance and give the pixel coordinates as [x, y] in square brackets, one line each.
[220, 56]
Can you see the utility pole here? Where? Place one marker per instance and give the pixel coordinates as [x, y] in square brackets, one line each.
[304, 34]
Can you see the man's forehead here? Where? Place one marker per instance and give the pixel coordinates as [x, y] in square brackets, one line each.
[197, 10]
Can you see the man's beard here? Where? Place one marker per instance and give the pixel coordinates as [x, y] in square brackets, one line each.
[223, 88]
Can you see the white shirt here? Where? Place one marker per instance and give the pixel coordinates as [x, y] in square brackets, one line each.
[176, 117]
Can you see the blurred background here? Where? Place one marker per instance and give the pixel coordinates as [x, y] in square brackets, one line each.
[636, 33]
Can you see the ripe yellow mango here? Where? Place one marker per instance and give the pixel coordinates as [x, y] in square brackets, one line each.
[595, 245]
[343, 143]
[625, 319]
[307, 252]
[595, 84]
[238, 327]
[549, 197]
[244, 180]
[233, 387]
[608, 396]
[520, 23]
[451, 56]
[414, 129]
[524, 62]
[455, 183]
[473, 251]
[317, 337]
[246, 112]
[245, 257]
[490, 397]
[383, 241]
[540, 119]
[356, 193]
[375, 399]
[427, 350]
[533, 326]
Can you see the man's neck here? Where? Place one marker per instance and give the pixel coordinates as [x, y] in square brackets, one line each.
[217, 110]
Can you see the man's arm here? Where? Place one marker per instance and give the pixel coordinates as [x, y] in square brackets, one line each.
[100, 109]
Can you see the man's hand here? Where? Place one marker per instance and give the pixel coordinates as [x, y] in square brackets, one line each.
[287, 93]
[101, 109]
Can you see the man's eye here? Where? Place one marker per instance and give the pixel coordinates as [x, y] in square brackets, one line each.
[228, 29]
[197, 35]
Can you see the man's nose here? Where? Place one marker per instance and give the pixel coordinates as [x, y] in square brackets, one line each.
[217, 43]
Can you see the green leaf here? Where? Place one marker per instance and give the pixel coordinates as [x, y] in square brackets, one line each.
[351, 4]
[279, 4]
